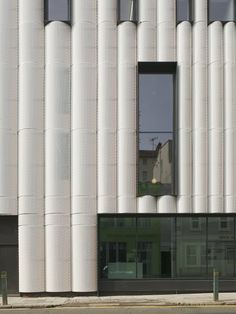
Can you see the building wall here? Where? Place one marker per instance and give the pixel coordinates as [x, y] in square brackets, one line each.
[68, 129]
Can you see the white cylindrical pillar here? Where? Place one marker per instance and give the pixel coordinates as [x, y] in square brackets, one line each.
[216, 117]
[58, 252]
[200, 109]
[229, 118]
[200, 11]
[127, 117]
[166, 30]
[31, 252]
[146, 204]
[166, 205]
[8, 107]
[57, 157]
[84, 109]
[147, 31]
[184, 57]
[107, 106]
[31, 146]
[84, 252]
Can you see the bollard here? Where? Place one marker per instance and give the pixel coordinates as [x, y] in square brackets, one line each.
[216, 285]
[4, 287]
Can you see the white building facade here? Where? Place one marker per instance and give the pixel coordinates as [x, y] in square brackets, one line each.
[92, 94]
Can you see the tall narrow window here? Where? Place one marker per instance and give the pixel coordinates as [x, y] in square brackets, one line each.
[156, 127]
[57, 10]
[184, 11]
[222, 10]
[127, 11]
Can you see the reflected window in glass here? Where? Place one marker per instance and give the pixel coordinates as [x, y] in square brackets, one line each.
[117, 248]
[190, 247]
[155, 256]
[221, 246]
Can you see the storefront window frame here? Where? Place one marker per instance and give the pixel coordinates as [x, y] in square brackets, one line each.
[175, 217]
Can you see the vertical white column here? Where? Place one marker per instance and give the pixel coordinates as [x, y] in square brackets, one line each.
[107, 105]
[84, 109]
[31, 147]
[216, 118]
[147, 31]
[147, 51]
[127, 117]
[184, 57]
[230, 118]
[166, 204]
[57, 157]
[146, 204]
[200, 109]
[166, 30]
[8, 107]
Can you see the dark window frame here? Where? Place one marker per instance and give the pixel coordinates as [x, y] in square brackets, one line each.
[160, 68]
[191, 13]
[46, 13]
[223, 22]
[135, 20]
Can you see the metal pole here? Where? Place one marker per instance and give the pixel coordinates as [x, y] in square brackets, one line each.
[216, 285]
[4, 287]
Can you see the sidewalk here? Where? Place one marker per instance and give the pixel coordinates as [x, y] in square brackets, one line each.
[142, 300]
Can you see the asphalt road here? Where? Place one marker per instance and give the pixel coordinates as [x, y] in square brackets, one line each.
[123, 310]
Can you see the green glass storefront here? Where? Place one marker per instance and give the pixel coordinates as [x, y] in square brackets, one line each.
[166, 247]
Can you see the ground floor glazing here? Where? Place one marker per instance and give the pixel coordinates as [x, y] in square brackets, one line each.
[149, 253]
[166, 247]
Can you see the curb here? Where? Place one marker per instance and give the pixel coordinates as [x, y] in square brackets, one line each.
[117, 304]
[18, 306]
[146, 304]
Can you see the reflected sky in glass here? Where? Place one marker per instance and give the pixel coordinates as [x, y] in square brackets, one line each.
[156, 103]
[128, 10]
[58, 10]
[183, 10]
[221, 10]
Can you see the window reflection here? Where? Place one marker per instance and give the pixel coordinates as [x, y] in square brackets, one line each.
[57, 10]
[143, 250]
[167, 247]
[156, 115]
[155, 247]
[184, 10]
[221, 246]
[190, 247]
[118, 248]
[221, 10]
[155, 163]
[128, 10]
[156, 102]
